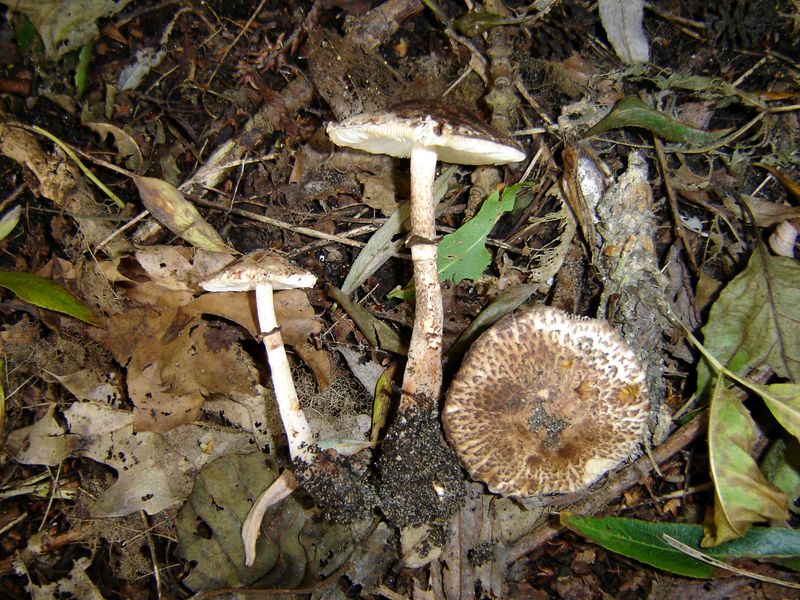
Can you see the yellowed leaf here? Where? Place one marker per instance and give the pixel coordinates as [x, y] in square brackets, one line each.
[177, 214]
[742, 495]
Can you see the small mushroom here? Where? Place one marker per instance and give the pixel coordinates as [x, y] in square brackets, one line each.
[546, 402]
[264, 271]
[425, 131]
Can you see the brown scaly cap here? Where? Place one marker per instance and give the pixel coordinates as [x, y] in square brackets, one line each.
[546, 402]
[256, 268]
[456, 136]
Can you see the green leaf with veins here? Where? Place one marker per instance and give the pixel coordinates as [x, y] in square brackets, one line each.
[644, 541]
[754, 321]
[463, 253]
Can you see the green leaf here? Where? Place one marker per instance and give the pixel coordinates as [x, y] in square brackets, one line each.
[46, 294]
[632, 112]
[644, 542]
[754, 320]
[781, 465]
[25, 34]
[463, 253]
[742, 495]
[82, 69]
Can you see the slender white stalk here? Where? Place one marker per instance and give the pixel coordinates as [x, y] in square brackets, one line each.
[297, 429]
[422, 380]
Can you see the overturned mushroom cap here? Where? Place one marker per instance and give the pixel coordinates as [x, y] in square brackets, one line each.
[546, 402]
[259, 268]
[455, 136]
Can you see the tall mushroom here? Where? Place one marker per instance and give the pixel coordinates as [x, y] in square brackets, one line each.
[339, 486]
[546, 403]
[420, 477]
[425, 131]
[264, 271]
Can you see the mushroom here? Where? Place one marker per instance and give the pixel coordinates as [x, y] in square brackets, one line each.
[546, 403]
[264, 271]
[420, 478]
[425, 131]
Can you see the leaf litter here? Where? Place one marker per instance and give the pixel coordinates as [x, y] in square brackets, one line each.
[155, 416]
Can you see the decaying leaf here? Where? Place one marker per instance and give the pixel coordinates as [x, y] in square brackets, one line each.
[64, 27]
[378, 333]
[293, 312]
[294, 548]
[210, 523]
[622, 20]
[179, 267]
[753, 322]
[379, 192]
[173, 211]
[126, 145]
[295, 315]
[154, 471]
[62, 182]
[742, 495]
[76, 584]
[175, 360]
[767, 214]
[92, 384]
[43, 443]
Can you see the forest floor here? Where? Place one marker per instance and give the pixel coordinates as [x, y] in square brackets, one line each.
[145, 144]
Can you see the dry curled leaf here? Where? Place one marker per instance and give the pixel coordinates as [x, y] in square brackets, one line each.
[173, 211]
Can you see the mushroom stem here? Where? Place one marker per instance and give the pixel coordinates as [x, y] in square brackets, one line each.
[297, 429]
[422, 380]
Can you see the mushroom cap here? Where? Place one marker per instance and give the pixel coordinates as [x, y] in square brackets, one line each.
[456, 136]
[546, 402]
[259, 268]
